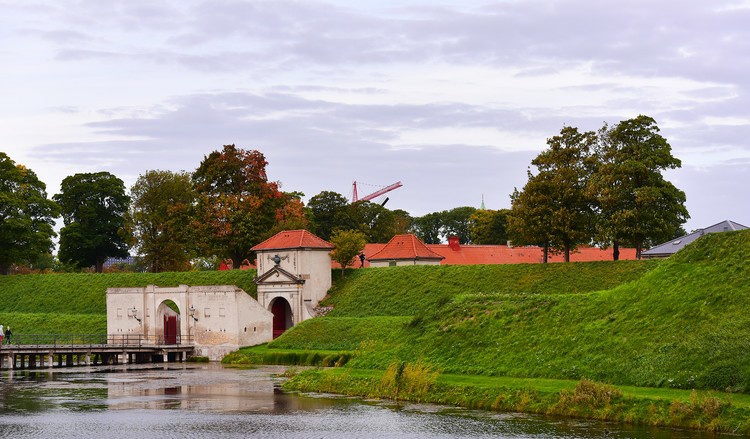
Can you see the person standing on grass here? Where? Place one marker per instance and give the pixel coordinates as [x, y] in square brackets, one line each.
[7, 334]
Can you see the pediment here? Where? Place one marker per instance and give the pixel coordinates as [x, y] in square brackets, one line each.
[278, 275]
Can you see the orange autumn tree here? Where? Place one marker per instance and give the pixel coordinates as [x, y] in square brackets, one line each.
[237, 207]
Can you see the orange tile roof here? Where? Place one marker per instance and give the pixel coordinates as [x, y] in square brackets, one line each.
[468, 254]
[289, 239]
[405, 246]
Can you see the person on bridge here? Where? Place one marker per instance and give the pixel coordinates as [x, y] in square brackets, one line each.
[1, 334]
[8, 333]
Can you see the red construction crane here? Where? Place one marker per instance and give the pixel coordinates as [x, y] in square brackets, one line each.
[375, 194]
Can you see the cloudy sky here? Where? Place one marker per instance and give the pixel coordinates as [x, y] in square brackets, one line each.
[452, 98]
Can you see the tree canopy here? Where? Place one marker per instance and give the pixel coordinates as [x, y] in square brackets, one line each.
[93, 207]
[489, 227]
[237, 207]
[637, 205]
[160, 218]
[26, 215]
[348, 244]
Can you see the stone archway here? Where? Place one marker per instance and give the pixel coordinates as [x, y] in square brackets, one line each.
[282, 316]
[168, 323]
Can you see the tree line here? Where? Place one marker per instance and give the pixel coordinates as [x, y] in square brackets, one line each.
[604, 188]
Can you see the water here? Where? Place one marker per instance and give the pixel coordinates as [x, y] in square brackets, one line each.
[208, 401]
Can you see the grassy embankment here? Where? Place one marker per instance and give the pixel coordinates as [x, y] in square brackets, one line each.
[76, 303]
[676, 324]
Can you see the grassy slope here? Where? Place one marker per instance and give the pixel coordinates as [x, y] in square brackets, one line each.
[76, 303]
[680, 323]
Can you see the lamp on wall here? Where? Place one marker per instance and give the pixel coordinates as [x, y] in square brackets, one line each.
[134, 312]
[191, 313]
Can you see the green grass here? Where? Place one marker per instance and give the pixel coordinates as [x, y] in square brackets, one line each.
[400, 291]
[681, 323]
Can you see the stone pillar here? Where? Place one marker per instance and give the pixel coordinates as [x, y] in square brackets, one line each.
[88, 358]
[50, 361]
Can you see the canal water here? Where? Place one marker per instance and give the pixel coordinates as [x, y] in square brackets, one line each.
[209, 401]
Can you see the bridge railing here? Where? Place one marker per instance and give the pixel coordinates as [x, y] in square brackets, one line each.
[83, 340]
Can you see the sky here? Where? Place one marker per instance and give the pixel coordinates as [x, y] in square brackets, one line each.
[454, 98]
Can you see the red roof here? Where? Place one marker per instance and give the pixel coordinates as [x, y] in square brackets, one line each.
[404, 247]
[501, 254]
[289, 239]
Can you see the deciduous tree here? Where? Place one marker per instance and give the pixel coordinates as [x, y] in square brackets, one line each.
[489, 227]
[26, 215]
[237, 207]
[93, 207]
[160, 218]
[329, 212]
[637, 205]
[348, 244]
[558, 193]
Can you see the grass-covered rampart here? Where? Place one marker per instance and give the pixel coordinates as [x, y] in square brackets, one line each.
[680, 323]
[76, 303]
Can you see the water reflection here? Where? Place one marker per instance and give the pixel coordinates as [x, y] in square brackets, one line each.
[206, 401]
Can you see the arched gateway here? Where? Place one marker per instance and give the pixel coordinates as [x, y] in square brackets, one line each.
[294, 274]
[216, 319]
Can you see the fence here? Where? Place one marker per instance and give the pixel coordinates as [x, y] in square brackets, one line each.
[82, 340]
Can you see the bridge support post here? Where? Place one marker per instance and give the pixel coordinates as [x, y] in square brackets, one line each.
[166, 357]
[68, 360]
[88, 358]
[50, 360]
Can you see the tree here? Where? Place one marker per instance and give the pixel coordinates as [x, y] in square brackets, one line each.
[376, 222]
[329, 212]
[348, 244]
[160, 218]
[456, 222]
[530, 216]
[489, 227]
[237, 207]
[637, 206]
[26, 215]
[93, 207]
[428, 228]
[564, 168]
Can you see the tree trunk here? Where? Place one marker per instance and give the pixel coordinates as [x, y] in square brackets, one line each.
[616, 251]
[638, 248]
[566, 256]
[546, 253]
[99, 266]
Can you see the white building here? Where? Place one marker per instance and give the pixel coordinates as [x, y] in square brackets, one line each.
[294, 274]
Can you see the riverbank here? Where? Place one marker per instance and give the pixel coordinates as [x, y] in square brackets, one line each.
[701, 410]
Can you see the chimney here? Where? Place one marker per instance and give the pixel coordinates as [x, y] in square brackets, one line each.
[453, 243]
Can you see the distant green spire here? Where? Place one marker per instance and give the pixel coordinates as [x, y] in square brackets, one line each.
[482, 206]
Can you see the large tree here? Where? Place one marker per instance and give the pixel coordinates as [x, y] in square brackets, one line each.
[489, 227]
[330, 212]
[26, 215]
[637, 205]
[237, 207]
[428, 228]
[564, 168]
[457, 222]
[93, 207]
[160, 220]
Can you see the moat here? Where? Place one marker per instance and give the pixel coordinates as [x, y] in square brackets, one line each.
[207, 400]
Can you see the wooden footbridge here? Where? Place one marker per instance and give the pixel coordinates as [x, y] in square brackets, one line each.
[30, 351]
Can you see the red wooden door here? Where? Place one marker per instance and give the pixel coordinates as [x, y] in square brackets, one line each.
[279, 310]
[170, 329]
